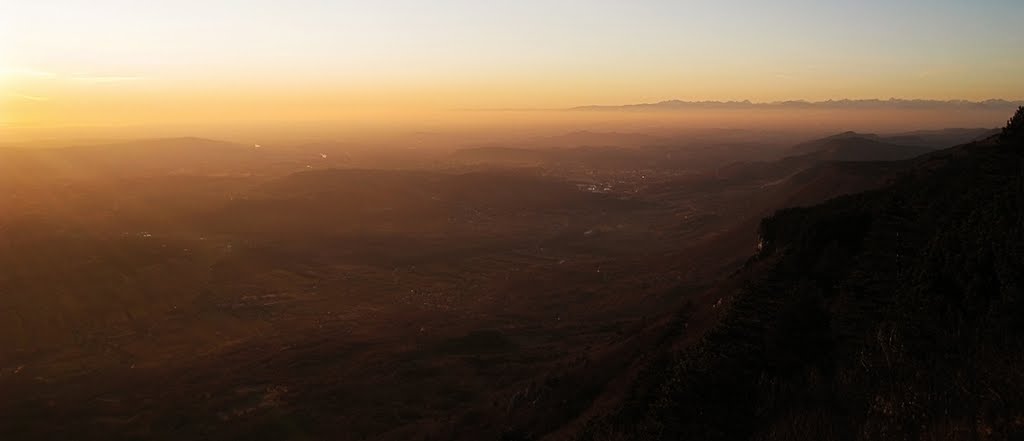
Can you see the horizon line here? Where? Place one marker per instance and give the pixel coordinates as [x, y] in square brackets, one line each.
[676, 103]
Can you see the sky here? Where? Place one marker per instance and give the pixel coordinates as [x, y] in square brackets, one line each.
[81, 62]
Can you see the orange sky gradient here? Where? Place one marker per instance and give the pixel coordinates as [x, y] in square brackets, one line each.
[120, 63]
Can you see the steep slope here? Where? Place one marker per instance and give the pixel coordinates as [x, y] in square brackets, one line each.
[890, 314]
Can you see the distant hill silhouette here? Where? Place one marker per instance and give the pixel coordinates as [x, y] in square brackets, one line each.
[842, 147]
[851, 146]
[943, 138]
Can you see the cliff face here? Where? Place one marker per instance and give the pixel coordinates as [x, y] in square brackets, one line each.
[892, 314]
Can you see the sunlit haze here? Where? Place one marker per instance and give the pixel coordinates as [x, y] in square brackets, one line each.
[523, 220]
[107, 62]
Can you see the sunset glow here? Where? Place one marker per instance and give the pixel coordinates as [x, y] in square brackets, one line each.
[525, 220]
[68, 62]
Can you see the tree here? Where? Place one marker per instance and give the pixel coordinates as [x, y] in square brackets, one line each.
[1014, 127]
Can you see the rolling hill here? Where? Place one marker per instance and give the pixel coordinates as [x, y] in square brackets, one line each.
[852, 146]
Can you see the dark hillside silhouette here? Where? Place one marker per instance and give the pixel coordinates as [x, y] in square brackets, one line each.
[890, 314]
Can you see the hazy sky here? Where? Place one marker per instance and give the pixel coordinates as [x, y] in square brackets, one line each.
[131, 61]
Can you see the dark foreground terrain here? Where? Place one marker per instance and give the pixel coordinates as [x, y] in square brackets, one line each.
[515, 294]
[891, 314]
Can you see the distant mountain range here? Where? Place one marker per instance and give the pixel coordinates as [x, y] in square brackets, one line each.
[892, 103]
